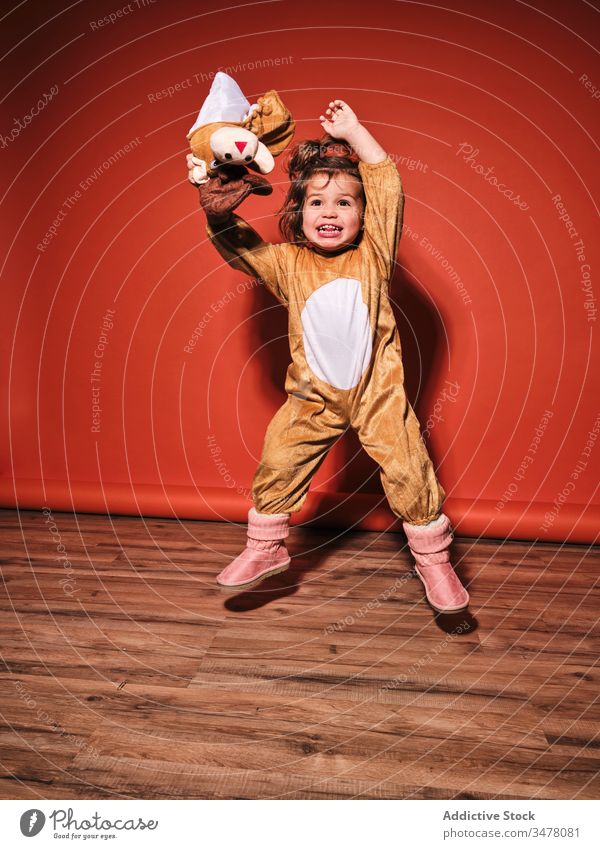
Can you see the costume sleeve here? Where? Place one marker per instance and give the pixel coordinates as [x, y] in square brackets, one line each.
[242, 247]
[384, 210]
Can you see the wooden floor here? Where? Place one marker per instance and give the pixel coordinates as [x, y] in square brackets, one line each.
[127, 673]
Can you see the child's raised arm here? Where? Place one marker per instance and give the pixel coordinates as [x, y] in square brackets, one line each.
[244, 249]
[237, 242]
[381, 181]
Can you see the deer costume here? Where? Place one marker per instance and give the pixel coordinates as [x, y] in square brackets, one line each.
[346, 371]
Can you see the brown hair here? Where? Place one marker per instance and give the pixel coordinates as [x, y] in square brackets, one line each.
[316, 156]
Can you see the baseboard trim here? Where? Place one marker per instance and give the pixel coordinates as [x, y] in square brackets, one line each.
[572, 523]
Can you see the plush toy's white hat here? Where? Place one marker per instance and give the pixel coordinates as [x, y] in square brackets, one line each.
[225, 102]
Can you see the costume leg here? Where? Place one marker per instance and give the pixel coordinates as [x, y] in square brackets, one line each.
[389, 432]
[296, 443]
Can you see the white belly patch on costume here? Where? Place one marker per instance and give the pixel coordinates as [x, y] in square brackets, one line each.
[337, 332]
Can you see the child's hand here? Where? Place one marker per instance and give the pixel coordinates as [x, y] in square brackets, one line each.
[339, 120]
[341, 123]
[196, 170]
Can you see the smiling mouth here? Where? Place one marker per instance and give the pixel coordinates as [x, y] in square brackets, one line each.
[329, 230]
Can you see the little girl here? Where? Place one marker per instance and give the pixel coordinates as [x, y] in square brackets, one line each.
[342, 218]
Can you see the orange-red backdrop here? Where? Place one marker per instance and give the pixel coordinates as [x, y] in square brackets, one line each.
[494, 293]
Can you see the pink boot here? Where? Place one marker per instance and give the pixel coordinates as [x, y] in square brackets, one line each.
[429, 545]
[264, 555]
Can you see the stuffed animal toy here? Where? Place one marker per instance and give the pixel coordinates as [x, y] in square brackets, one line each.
[224, 192]
[231, 131]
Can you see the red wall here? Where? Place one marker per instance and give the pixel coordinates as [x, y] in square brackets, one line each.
[180, 433]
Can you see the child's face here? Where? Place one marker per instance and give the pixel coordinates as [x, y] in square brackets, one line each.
[332, 211]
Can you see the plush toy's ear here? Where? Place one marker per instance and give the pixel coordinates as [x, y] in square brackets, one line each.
[271, 122]
[263, 159]
[200, 141]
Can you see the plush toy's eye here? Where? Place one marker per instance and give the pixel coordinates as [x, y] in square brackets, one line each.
[228, 156]
[248, 159]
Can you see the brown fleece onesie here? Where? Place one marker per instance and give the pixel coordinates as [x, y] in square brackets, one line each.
[346, 367]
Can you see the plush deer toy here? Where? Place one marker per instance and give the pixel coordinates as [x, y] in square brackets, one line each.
[231, 132]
